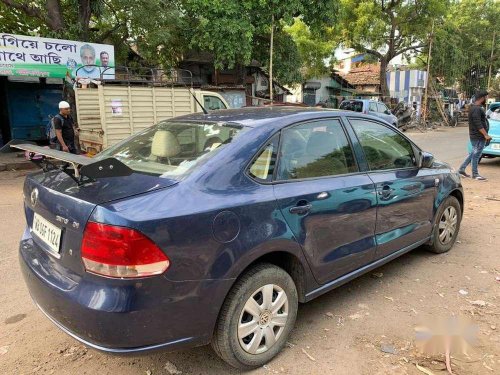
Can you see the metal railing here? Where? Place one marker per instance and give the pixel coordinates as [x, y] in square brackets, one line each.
[127, 75]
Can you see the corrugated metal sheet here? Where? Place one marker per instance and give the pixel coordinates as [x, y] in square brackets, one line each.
[108, 114]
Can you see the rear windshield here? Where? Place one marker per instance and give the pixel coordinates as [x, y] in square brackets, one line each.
[352, 105]
[173, 149]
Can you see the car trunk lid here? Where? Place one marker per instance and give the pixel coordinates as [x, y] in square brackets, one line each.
[57, 198]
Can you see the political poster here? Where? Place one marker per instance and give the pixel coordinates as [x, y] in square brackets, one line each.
[55, 58]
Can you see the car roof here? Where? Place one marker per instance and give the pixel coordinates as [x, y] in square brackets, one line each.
[358, 100]
[258, 116]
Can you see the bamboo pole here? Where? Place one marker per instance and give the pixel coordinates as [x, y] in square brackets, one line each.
[424, 106]
[491, 58]
[271, 61]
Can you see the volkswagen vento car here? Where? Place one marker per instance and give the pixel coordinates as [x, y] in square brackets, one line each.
[215, 227]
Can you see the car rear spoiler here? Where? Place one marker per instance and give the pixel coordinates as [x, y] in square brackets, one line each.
[84, 169]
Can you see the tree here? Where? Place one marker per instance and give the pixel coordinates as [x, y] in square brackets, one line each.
[314, 49]
[160, 32]
[155, 30]
[236, 31]
[387, 28]
[461, 52]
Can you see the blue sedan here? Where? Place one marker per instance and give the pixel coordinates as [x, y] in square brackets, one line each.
[212, 228]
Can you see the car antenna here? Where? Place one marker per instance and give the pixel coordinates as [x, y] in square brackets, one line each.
[197, 101]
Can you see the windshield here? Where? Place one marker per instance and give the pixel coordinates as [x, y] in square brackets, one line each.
[173, 149]
[352, 105]
[495, 114]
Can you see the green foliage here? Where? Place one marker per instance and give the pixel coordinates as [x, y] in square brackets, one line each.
[14, 21]
[387, 28]
[462, 47]
[237, 31]
[313, 50]
[234, 31]
[394, 26]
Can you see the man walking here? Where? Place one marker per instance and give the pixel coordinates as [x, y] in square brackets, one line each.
[65, 128]
[478, 134]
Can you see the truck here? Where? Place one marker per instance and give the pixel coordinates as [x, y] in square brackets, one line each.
[107, 114]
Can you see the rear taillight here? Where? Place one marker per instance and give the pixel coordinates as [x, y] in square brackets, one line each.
[120, 252]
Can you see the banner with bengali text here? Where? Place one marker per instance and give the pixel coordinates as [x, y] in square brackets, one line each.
[54, 58]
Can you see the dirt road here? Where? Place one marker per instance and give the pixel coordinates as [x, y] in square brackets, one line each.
[364, 327]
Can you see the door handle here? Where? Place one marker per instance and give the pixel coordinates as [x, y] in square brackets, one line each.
[301, 210]
[385, 191]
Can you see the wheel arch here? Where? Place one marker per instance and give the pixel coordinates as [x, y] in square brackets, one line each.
[460, 198]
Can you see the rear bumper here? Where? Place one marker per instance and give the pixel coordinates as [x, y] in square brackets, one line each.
[122, 316]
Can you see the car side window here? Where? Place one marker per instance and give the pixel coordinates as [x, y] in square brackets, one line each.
[262, 168]
[384, 148]
[315, 149]
[373, 107]
[382, 108]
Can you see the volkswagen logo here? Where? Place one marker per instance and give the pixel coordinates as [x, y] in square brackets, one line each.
[34, 197]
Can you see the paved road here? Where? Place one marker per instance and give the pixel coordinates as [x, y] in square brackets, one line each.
[342, 332]
[447, 144]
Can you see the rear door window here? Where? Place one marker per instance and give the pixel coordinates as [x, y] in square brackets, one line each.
[315, 149]
[373, 107]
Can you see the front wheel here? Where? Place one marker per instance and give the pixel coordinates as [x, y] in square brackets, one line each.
[256, 318]
[447, 225]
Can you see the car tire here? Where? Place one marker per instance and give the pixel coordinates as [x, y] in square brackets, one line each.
[447, 226]
[229, 340]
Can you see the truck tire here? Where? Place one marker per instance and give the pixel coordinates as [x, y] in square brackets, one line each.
[256, 318]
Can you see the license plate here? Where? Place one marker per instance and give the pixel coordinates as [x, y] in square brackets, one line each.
[47, 232]
[495, 146]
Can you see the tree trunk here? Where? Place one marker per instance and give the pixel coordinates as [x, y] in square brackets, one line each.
[384, 90]
[54, 15]
[84, 14]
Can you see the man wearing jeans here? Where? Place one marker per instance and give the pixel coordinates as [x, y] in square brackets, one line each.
[478, 134]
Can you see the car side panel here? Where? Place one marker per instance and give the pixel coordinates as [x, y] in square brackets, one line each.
[405, 206]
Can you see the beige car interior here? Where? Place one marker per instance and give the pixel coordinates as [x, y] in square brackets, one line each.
[165, 145]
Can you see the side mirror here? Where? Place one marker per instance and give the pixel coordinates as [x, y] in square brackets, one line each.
[426, 159]
[387, 112]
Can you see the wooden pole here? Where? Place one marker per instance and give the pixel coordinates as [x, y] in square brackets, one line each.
[424, 106]
[271, 61]
[491, 58]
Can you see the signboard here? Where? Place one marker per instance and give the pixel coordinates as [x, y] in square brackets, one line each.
[43, 57]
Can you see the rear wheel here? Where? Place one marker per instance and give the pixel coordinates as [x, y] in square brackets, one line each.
[256, 318]
[448, 220]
